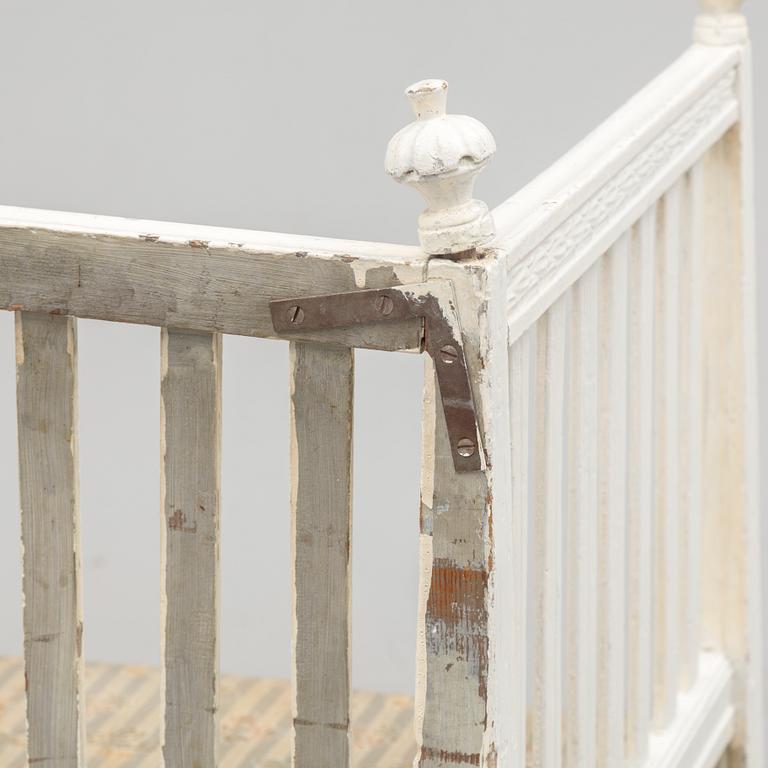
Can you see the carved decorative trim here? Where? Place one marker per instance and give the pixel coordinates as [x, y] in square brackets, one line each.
[575, 233]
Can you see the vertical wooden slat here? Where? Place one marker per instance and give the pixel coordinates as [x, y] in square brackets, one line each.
[466, 696]
[667, 550]
[581, 550]
[612, 500]
[322, 378]
[46, 350]
[519, 394]
[752, 735]
[732, 518]
[640, 487]
[190, 487]
[547, 698]
[691, 415]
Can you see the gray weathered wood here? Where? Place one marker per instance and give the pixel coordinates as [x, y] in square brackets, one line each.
[190, 439]
[47, 419]
[322, 379]
[465, 699]
[185, 276]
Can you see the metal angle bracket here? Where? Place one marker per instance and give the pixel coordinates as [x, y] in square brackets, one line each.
[435, 304]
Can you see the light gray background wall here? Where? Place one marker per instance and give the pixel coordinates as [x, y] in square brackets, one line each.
[275, 115]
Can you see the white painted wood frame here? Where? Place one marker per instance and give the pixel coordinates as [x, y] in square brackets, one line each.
[547, 523]
[732, 617]
[580, 726]
[520, 370]
[691, 422]
[640, 501]
[666, 650]
[616, 297]
[613, 300]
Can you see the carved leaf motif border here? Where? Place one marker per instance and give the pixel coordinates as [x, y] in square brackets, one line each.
[576, 231]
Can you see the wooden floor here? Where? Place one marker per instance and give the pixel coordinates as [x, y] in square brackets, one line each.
[122, 705]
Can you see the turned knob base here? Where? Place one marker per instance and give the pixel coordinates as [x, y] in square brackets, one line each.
[455, 229]
[721, 29]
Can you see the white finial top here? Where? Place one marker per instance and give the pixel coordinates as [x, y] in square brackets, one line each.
[440, 155]
[428, 98]
[721, 23]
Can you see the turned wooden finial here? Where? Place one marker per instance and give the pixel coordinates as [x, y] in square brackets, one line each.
[440, 155]
[721, 23]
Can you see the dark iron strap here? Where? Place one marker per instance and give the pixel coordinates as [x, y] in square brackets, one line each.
[433, 302]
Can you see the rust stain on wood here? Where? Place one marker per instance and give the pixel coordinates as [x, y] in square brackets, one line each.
[453, 758]
[178, 522]
[334, 726]
[457, 616]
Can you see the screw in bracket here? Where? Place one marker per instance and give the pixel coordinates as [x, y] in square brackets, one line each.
[465, 447]
[449, 354]
[384, 305]
[295, 315]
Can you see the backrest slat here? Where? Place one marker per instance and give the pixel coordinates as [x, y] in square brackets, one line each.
[581, 545]
[322, 379]
[613, 294]
[547, 697]
[667, 475]
[691, 423]
[640, 498]
[46, 360]
[190, 439]
[519, 360]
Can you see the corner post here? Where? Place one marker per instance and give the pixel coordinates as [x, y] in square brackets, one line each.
[465, 649]
[732, 595]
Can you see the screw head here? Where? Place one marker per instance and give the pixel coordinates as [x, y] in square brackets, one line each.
[295, 315]
[465, 447]
[384, 305]
[449, 354]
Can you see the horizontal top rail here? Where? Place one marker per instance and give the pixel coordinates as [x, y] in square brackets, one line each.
[95, 225]
[555, 228]
[533, 212]
[202, 278]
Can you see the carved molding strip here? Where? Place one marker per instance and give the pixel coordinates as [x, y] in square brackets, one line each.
[575, 233]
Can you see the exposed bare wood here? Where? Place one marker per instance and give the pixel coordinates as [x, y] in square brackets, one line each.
[321, 496]
[46, 350]
[191, 491]
[185, 276]
[635, 470]
[464, 700]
